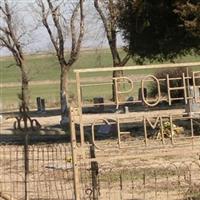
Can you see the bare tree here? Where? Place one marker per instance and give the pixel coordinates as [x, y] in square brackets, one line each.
[10, 38]
[108, 12]
[51, 11]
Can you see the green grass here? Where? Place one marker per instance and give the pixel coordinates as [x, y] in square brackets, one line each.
[46, 67]
[49, 92]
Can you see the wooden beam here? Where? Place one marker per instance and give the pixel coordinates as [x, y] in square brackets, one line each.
[139, 67]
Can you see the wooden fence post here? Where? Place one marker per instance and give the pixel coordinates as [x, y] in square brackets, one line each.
[95, 172]
[26, 166]
[74, 157]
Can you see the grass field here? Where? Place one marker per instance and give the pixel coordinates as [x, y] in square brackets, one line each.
[46, 67]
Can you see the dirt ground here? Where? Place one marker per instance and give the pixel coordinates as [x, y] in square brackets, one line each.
[151, 166]
[49, 121]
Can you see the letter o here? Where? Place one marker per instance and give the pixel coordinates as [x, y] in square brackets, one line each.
[158, 86]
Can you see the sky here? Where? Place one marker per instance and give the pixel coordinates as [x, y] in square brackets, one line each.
[39, 40]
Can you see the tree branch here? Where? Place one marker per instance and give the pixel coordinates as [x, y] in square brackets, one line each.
[4, 30]
[16, 43]
[46, 24]
[55, 15]
[73, 30]
[3, 11]
[58, 40]
[110, 26]
[76, 42]
[125, 59]
[5, 43]
[81, 31]
[103, 18]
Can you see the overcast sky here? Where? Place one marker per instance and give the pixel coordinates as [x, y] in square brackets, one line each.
[39, 40]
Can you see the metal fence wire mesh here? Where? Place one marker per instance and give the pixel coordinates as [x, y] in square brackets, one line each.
[36, 172]
[171, 181]
[45, 171]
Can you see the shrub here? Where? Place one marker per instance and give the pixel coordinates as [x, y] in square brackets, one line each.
[173, 73]
[193, 193]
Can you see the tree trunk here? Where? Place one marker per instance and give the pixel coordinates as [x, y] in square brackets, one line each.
[64, 94]
[25, 95]
[116, 63]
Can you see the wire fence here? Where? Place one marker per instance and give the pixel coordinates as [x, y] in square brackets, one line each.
[167, 182]
[45, 171]
[36, 172]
